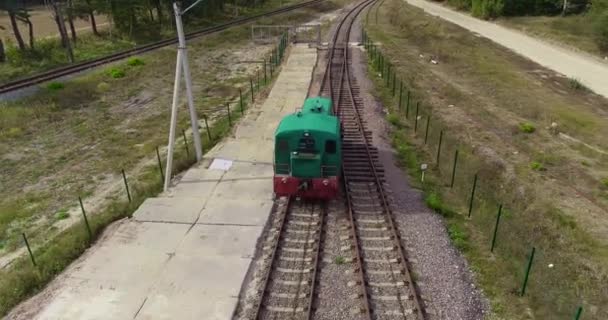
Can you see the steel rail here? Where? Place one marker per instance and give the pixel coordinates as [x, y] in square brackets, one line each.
[345, 76]
[81, 66]
[328, 81]
[273, 260]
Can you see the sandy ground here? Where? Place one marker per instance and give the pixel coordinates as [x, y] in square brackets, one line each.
[590, 71]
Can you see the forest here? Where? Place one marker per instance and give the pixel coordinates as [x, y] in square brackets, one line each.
[129, 19]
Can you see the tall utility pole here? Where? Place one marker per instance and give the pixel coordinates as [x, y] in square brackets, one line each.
[182, 65]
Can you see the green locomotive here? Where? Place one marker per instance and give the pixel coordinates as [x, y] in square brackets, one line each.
[308, 152]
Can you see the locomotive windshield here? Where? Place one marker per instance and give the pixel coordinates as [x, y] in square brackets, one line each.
[306, 145]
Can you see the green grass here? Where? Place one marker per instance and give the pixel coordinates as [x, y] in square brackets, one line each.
[527, 127]
[605, 182]
[61, 215]
[53, 86]
[339, 260]
[537, 166]
[134, 62]
[529, 216]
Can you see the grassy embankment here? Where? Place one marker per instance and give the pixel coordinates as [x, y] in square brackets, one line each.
[496, 109]
[70, 141]
[49, 54]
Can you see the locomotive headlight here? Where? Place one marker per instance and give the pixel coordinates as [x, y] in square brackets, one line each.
[325, 182]
[284, 180]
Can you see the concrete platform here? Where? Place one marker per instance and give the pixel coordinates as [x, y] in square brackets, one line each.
[185, 254]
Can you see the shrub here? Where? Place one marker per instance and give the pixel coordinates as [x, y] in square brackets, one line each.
[576, 84]
[487, 8]
[394, 120]
[537, 166]
[116, 73]
[13, 132]
[434, 201]
[600, 28]
[53, 86]
[605, 182]
[460, 4]
[527, 127]
[340, 260]
[134, 62]
[103, 87]
[458, 236]
[61, 215]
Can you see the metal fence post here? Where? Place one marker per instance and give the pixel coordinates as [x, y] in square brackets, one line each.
[407, 105]
[496, 227]
[472, 195]
[579, 311]
[523, 288]
[229, 117]
[207, 126]
[394, 79]
[86, 220]
[241, 99]
[252, 93]
[439, 147]
[416, 120]
[400, 93]
[185, 145]
[428, 123]
[257, 73]
[160, 166]
[124, 178]
[265, 79]
[27, 244]
[454, 168]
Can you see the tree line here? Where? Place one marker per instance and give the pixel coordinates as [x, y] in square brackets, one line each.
[127, 17]
[596, 11]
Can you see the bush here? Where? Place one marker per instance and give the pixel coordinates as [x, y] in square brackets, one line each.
[527, 127]
[600, 28]
[61, 215]
[434, 201]
[576, 84]
[53, 86]
[134, 62]
[116, 73]
[394, 120]
[605, 182]
[487, 8]
[537, 166]
[460, 4]
[103, 87]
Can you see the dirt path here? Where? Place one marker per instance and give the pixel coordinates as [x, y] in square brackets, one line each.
[590, 71]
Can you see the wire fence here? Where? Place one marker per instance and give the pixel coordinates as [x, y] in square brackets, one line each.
[41, 263]
[532, 251]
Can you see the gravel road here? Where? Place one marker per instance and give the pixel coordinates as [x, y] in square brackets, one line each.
[589, 70]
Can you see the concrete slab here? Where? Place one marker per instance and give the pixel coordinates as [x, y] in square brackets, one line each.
[254, 150]
[244, 189]
[244, 212]
[176, 210]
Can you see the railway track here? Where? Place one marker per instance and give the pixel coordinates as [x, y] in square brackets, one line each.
[292, 249]
[85, 65]
[387, 290]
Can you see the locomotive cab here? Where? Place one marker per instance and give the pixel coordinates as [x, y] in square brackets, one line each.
[307, 153]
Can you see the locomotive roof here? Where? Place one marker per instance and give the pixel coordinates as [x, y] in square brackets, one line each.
[309, 121]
